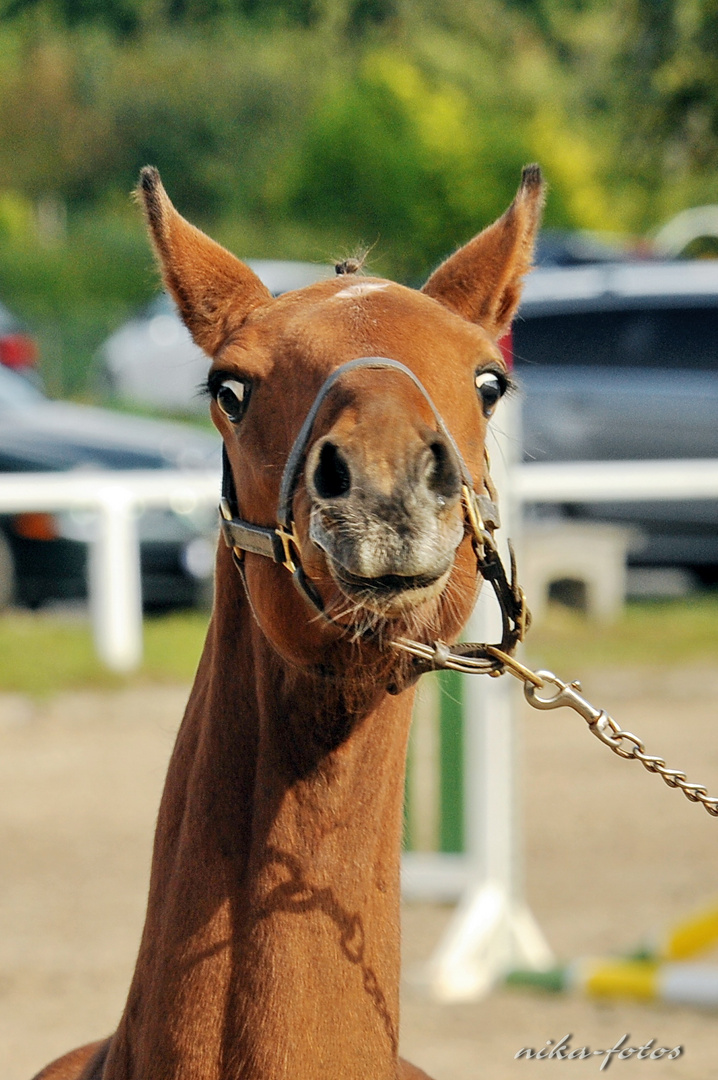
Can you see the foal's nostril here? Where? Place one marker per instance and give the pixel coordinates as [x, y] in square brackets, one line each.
[443, 474]
[332, 477]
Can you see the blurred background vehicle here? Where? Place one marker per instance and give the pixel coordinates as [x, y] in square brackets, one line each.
[620, 361]
[18, 349]
[578, 247]
[152, 361]
[43, 556]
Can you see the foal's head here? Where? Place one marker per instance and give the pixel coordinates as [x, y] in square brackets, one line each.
[378, 508]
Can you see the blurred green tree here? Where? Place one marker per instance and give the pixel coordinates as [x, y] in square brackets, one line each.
[404, 159]
[129, 17]
[299, 128]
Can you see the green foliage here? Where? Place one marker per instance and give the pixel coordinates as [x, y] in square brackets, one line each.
[640, 78]
[300, 128]
[128, 18]
[403, 159]
[82, 114]
[74, 293]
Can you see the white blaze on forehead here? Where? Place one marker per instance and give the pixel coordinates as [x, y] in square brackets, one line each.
[360, 288]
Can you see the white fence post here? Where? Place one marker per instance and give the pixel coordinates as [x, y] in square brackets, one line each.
[114, 581]
[492, 929]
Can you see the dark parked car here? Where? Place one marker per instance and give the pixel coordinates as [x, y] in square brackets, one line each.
[43, 556]
[620, 361]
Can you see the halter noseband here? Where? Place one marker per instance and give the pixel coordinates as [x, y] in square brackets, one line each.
[282, 545]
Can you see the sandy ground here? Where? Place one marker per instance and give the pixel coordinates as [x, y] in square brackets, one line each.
[611, 855]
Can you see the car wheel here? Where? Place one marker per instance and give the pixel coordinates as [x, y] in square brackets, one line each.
[7, 573]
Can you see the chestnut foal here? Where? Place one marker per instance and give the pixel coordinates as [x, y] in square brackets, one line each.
[271, 943]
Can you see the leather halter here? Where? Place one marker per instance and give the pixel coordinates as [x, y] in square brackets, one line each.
[282, 544]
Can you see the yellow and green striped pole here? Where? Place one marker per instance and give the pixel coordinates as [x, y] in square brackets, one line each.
[640, 980]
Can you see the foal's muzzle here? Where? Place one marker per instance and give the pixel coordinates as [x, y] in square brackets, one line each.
[387, 524]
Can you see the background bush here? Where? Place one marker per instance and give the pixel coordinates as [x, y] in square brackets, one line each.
[301, 128]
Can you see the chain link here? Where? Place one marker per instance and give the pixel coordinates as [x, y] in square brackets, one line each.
[623, 743]
[672, 777]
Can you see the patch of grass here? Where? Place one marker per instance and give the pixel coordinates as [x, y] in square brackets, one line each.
[173, 644]
[662, 633]
[41, 654]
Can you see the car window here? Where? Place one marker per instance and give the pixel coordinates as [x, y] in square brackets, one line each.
[16, 392]
[645, 338]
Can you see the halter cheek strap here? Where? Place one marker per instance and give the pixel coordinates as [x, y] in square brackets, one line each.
[282, 545]
[278, 544]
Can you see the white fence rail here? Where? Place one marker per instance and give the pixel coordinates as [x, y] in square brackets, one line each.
[614, 481]
[118, 497]
[114, 584]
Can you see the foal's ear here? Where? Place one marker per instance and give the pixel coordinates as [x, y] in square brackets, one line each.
[482, 280]
[214, 291]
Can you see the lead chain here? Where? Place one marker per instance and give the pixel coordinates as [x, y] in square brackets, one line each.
[607, 730]
[623, 743]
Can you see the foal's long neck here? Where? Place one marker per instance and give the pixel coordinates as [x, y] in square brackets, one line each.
[271, 945]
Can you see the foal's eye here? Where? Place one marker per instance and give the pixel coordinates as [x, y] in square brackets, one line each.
[232, 396]
[490, 388]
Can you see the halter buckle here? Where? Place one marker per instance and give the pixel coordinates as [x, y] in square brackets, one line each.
[225, 512]
[289, 540]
